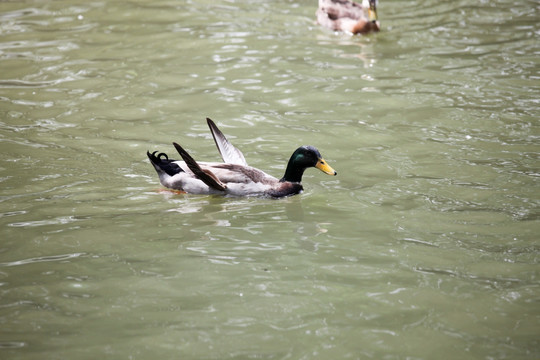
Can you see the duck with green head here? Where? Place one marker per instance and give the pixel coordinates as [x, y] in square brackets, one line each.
[234, 176]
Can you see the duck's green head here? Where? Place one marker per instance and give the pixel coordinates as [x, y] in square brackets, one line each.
[303, 158]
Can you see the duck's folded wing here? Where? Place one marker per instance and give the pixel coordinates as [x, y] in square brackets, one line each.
[205, 175]
[228, 152]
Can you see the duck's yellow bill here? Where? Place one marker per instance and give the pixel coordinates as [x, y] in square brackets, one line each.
[372, 12]
[325, 168]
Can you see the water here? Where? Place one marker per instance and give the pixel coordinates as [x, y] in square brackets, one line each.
[424, 246]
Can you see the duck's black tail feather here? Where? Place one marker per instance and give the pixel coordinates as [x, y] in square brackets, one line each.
[205, 175]
[162, 163]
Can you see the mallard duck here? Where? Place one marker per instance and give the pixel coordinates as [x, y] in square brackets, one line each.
[234, 176]
[346, 15]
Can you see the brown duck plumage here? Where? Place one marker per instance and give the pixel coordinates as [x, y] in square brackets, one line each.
[349, 16]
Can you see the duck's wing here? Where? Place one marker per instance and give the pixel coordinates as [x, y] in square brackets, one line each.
[228, 152]
[205, 176]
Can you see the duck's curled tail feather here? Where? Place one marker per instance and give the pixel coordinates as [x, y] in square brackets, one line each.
[162, 163]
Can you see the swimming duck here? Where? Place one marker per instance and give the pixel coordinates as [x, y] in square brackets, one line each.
[346, 15]
[234, 176]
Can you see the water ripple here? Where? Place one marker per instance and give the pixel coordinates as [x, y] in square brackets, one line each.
[43, 259]
[62, 220]
[12, 344]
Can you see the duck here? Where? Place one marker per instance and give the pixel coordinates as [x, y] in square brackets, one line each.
[234, 176]
[348, 16]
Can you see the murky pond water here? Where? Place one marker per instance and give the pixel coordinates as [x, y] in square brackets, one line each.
[424, 246]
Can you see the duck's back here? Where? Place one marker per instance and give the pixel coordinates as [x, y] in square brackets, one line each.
[338, 9]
